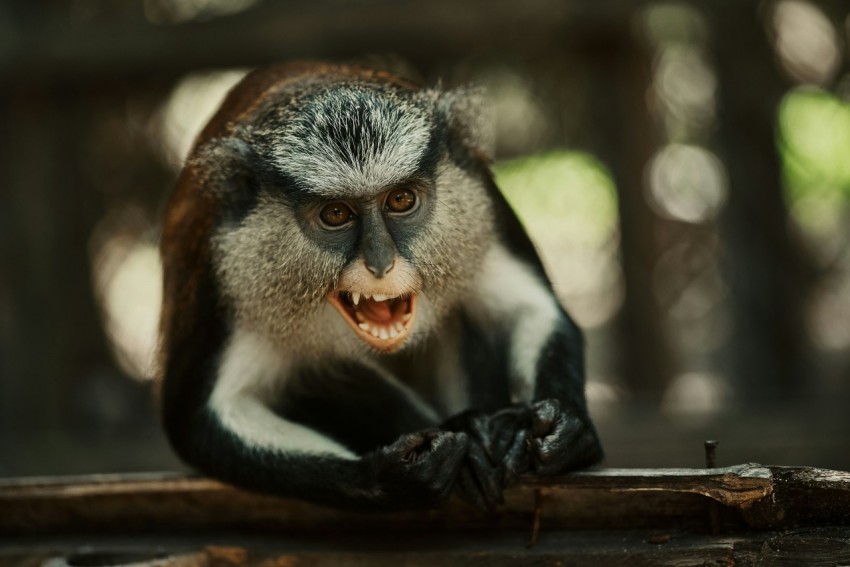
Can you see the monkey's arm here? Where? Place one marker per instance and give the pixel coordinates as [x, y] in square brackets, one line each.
[563, 437]
[417, 470]
[547, 429]
[232, 433]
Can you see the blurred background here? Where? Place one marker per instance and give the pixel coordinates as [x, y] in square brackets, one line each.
[684, 168]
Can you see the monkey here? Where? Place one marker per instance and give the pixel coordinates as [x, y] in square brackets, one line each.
[352, 313]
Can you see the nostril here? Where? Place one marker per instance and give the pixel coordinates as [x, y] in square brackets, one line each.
[380, 272]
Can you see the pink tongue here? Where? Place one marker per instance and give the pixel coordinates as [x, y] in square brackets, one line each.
[378, 311]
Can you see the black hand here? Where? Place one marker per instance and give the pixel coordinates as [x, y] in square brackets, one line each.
[479, 482]
[498, 452]
[419, 469]
[509, 431]
[562, 439]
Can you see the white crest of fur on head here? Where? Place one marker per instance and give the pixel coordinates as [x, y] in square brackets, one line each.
[353, 138]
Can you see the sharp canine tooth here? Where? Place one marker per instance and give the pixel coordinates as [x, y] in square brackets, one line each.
[406, 317]
[383, 334]
[379, 297]
[355, 297]
[359, 316]
[364, 326]
[393, 332]
[374, 332]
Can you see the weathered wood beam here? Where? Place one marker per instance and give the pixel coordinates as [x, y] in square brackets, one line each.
[827, 546]
[748, 496]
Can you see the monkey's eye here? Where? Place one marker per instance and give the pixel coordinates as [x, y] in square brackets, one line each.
[400, 200]
[336, 214]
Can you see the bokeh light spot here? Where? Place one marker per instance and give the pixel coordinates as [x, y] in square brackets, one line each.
[192, 103]
[686, 183]
[806, 42]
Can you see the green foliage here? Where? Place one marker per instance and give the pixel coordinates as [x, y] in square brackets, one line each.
[561, 194]
[814, 141]
[814, 144]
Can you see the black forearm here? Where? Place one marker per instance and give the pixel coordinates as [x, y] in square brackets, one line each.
[416, 471]
[560, 368]
[330, 479]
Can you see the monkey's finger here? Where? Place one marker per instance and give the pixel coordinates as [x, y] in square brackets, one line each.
[546, 413]
[476, 424]
[542, 455]
[554, 453]
[479, 427]
[446, 457]
[517, 460]
[486, 475]
[469, 491]
[453, 447]
[438, 466]
[502, 440]
[505, 425]
[520, 414]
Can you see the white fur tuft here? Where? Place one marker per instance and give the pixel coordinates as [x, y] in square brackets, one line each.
[353, 139]
[512, 296]
[250, 373]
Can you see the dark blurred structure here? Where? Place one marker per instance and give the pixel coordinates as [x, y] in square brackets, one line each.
[683, 166]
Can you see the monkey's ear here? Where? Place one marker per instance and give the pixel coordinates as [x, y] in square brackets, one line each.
[229, 173]
[221, 159]
[469, 116]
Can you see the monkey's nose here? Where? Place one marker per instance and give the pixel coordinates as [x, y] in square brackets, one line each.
[380, 271]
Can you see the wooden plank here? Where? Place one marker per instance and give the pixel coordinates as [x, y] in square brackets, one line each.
[598, 517]
[810, 547]
[748, 495]
[733, 486]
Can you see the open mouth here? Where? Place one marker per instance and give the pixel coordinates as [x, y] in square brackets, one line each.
[384, 322]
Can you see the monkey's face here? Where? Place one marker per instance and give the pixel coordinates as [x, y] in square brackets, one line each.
[364, 228]
[410, 255]
[377, 291]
